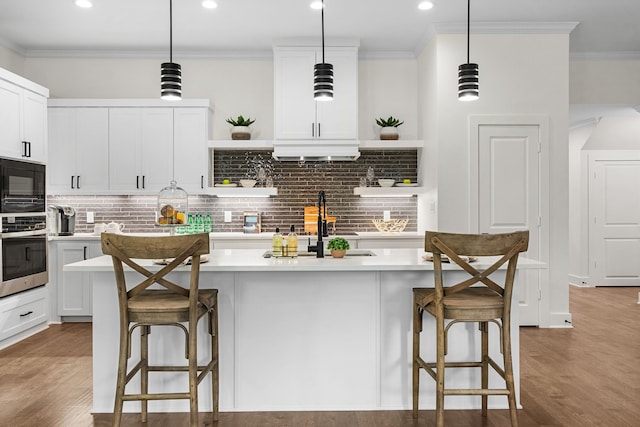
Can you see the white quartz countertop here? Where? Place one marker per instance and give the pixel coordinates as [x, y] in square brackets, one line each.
[243, 260]
[259, 236]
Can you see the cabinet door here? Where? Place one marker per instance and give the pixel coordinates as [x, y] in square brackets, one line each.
[74, 288]
[62, 150]
[92, 150]
[297, 115]
[190, 133]
[156, 148]
[78, 147]
[34, 131]
[124, 150]
[294, 107]
[338, 118]
[10, 120]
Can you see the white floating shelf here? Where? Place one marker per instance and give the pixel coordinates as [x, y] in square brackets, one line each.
[242, 192]
[241, 144]
[396, 144]
[264, 144]
[387, 191]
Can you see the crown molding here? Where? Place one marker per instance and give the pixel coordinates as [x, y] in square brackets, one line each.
[604, 56]
[499, 27]
[99, 54]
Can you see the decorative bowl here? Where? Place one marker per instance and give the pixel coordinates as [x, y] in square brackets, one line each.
[390, 226]
[248, 183]
[386, 182]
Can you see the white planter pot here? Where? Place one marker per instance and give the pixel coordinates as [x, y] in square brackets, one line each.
[389, 132]
[240, 132]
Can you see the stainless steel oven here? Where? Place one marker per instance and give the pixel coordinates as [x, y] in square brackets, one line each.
[22, 187]
[24, 252]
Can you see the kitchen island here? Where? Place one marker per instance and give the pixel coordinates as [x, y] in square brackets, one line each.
[299, 334]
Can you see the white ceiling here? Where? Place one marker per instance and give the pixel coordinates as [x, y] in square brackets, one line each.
[141, 27]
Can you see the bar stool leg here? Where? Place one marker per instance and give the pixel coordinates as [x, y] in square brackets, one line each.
[417, 327]
[122, 374]
[144, 370]
[440, 368]
[508, 370]
[193, 374]
[484, 330]
[215, 380]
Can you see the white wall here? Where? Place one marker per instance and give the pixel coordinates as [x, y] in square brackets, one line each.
[428, 128]
[12, 61]
[605, 81]
[234, 87]
[578, 206]
[387, 88]
[522, 74]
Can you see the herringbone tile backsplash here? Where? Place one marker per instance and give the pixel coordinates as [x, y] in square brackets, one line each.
[298, 186]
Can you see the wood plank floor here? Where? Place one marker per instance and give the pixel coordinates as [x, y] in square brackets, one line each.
[585, 376]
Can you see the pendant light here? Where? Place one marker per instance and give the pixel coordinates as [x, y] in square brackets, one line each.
[323, 74]
[170, 72]
[468, 87]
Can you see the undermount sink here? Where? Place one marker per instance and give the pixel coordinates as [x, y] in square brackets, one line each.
[350, 253]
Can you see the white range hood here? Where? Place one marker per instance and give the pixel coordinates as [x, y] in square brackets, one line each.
[316, 150]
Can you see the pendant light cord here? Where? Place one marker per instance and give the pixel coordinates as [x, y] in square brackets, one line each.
[170, 30]
[468, 27]
[322, 18]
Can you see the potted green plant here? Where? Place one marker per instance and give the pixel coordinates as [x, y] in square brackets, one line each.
[388, 127]
[240, 129]
[338, 247]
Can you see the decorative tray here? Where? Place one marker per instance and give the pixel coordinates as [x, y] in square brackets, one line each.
[203, 259]
[429, 257]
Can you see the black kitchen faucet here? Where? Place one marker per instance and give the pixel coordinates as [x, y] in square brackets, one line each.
[318, 248]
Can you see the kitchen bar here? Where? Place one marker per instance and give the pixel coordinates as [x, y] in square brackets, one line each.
[298, 334]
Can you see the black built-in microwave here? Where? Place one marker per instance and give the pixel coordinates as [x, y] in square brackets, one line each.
[22, 187]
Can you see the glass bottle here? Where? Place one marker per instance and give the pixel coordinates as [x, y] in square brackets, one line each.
[292, 242]
[277, 243]
[191, 226]
[207, 224]
[199, 223]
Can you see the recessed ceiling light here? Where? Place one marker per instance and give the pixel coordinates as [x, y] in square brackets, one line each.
[84, 3]
[209, 4]
[425, 5]
[316, 5]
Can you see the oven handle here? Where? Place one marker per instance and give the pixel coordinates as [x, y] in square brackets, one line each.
[41, 232]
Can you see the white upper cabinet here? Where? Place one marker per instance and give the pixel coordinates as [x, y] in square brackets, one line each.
[297, 114]
[190, 151]
[23, 118]
[140, 149]
[127, 146]
[34, 127]
[78, 149]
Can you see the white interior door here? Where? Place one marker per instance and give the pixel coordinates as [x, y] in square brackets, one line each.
[614, 228]
[509, 197]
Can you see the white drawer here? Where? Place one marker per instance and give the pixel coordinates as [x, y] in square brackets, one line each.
[22, 311]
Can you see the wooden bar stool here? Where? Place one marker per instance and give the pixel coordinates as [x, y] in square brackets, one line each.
[174, 305]
[489, 302]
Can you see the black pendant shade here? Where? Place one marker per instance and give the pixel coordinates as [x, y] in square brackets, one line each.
[323, 74]
[323, 82]
[170, 81]
[468, 76]
[170, 72]
[468, 87]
